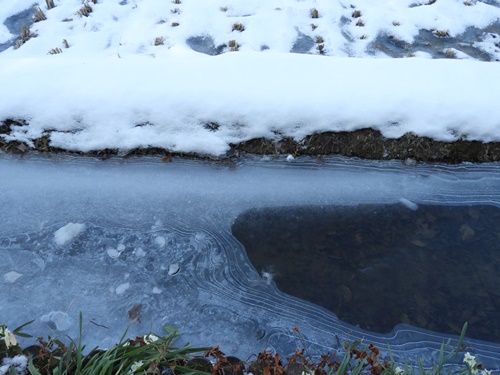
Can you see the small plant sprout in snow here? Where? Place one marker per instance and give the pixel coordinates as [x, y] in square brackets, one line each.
[360, 23]
[159, 41]
[174, 24]
[450, 53]
[55, 51]
[319, 39]
[356, 14]
[395, 23]
[39, 15]
[441, 33]
[238, 27]
[65, 43]
[50, 4]
[176, 1]
[233, 46]
[175, 11]
[314, 13]
[223, 9]
[85, 10]
[313, 26]
[26, 35]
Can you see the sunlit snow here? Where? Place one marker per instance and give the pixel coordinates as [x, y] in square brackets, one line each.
[138, 74]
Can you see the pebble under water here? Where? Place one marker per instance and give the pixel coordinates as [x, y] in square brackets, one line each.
[374, 266]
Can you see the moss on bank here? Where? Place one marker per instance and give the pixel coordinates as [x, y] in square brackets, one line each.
[363, 143]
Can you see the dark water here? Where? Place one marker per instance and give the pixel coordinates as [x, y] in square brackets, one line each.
[377, 266]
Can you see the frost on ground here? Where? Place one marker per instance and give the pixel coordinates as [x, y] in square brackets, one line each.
[197, 77]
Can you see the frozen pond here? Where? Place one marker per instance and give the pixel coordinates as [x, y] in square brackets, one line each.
[100, 237]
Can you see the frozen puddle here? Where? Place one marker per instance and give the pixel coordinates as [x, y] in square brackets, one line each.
[151, 242]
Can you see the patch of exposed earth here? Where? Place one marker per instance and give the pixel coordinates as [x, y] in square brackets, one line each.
[364, 143]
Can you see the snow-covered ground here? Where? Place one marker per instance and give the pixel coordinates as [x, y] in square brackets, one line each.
[195, 76]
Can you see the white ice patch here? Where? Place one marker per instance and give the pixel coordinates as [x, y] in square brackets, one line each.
[11, 276]
[156, 290]
[122, 288]
[68, 232]
[140, 253]
[412, 206]
[173, 269]
[59, 319]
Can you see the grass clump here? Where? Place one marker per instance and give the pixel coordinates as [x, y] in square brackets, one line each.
[25, 35]
[39, 15]
[156, 355]
[238, 27]
[233, 45]
[314, 13]
[356, 14]
[50, 4]
[159, 41]
[85, 10]
[55, 51]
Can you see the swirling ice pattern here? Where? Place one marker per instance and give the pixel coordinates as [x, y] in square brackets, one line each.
[217, 297]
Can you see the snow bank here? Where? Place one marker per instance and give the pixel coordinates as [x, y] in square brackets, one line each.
[97, 103]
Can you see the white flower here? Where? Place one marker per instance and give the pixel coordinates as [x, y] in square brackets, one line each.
[471, 361]
[136, 366]
[8, 337]
[398, 370]
[151, 338]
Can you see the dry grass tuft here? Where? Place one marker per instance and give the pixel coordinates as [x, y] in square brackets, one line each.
[313, 26]
[159, 41]
[314, 13]
[175, 11]
[449, 53]
[39, 15]
[356, 14]
[395, 23]
[25, 35]
[55, 51]
[223, 9]
[468, 3]
[321, 48]
[319, 39]
[238, 27]
[174, 24]
[441, 33]
[360, 23]
[233, 46]
[85, 10]
[65, 43]
[176, 1]
[50, 4]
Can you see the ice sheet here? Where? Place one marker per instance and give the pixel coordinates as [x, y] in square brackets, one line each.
[158, 234]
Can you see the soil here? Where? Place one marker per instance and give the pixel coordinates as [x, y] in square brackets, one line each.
[364, 143]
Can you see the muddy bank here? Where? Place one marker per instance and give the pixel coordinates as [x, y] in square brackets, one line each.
[364, 143]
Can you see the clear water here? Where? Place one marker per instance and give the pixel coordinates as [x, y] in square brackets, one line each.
[375, 266]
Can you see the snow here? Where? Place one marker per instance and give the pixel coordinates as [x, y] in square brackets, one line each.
[68, 232]
[114, 88]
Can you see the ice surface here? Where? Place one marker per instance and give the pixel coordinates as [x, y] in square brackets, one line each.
[67, 233]
[170, 224]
